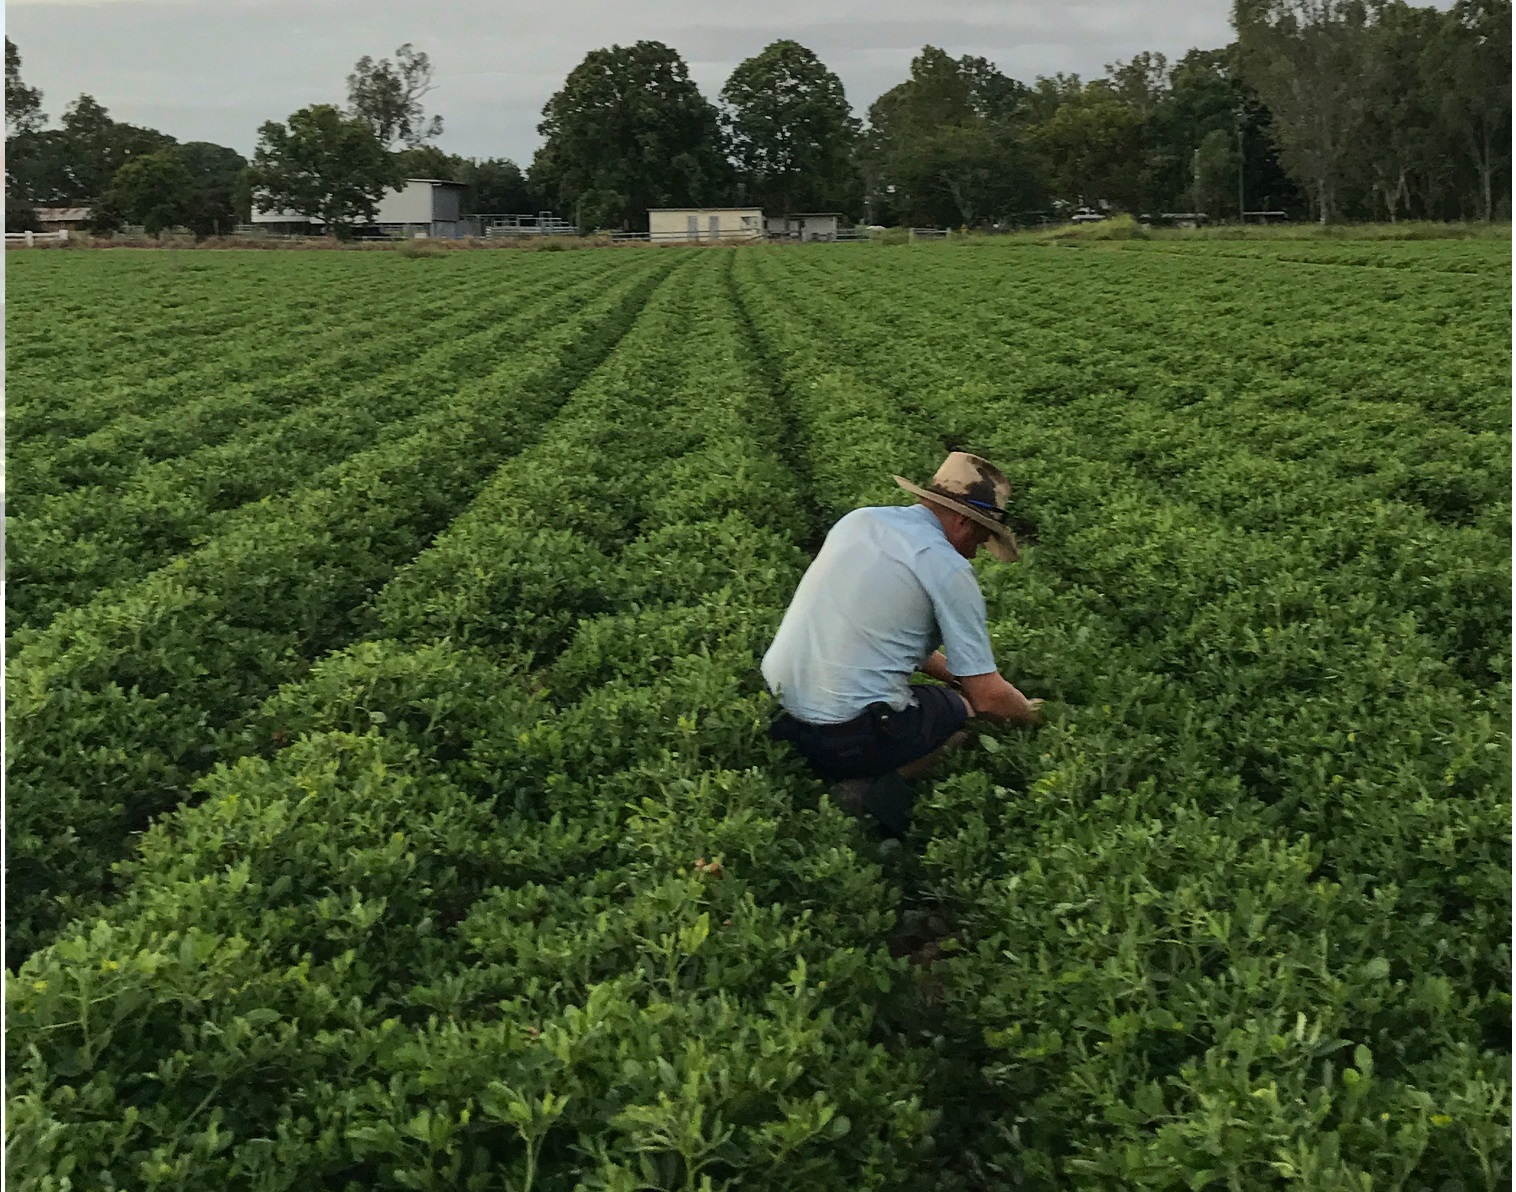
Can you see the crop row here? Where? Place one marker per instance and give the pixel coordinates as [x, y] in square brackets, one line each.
[69, 315]
[1486, 259]
[115, 706]
[120, 422]
[1241, 902]
[164, 358]
[63, 548]
[177, 330]
[503, 897]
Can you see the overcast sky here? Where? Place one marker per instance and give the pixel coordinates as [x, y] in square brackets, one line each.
[214, 70]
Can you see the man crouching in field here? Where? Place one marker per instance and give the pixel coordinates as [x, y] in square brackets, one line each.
[888, 586]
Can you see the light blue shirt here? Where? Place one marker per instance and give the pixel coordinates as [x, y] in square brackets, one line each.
[886, 589]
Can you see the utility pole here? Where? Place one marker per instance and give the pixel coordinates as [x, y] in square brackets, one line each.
[1241, 172]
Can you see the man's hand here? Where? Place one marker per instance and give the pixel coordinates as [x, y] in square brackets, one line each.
[995, 699]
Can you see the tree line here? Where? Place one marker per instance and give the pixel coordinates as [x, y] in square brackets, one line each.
[1324, 109]
[323, 161]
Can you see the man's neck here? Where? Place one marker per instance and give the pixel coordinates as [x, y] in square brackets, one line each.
[937, 512]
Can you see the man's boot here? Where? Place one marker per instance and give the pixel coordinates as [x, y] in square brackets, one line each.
[887, 799]
[849, 794]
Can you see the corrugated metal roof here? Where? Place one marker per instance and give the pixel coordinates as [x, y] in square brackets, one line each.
[62, 214]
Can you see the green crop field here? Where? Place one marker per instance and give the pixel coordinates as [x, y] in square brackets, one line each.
[389, 801]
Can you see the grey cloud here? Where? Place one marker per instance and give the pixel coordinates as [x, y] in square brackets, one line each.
[216, 72]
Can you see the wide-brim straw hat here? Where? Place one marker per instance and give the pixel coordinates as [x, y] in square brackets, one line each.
[977, 489]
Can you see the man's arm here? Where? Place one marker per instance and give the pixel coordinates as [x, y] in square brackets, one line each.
[995, 699]
[936, 667]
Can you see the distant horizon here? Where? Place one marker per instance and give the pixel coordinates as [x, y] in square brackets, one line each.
[218, 74]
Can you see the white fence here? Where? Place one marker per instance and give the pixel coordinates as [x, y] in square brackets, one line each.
[928, 233]
[31, 239]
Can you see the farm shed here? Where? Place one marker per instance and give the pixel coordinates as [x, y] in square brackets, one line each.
[56, 219]
[705, 223]
[805, 225]
[422, 207]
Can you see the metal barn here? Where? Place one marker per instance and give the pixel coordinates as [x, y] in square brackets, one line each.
[423, 207]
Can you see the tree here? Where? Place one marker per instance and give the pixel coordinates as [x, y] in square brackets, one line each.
[1215, 167]
[196, 186]
[428, 161]
[242, 194]
[1306, 58]
[944, 147]
[1205, 94]
[978, 167]
[387, 97]
[1092, 147]
[191, 186]
[630, 130]
[1141, 83]
[97, 146]
[496, 186]
[23, 104]
[1401, 109]
[75, 162]
[1475, 81]
[938, 92]
[20, 216]
[1048, 93]
[24, 119]
[156, 190]
[216, 207]
[791, 130]
[992, 95]
[323, 165]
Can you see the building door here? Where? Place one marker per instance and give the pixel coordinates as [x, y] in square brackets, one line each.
[692, 229]
[715, 224]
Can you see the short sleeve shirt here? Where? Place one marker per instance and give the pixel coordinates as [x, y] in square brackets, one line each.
[886, 589]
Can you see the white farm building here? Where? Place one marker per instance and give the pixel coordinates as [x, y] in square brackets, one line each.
[422, 207]
[704, 224]
[804, 225]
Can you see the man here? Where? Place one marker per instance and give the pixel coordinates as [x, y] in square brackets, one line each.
[890, 584]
